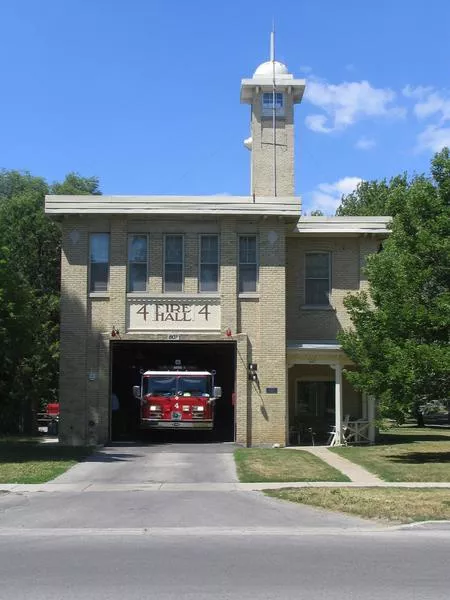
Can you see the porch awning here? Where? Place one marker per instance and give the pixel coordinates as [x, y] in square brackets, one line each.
[320, 352]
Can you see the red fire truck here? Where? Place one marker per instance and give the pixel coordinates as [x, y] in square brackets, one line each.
[177, 399]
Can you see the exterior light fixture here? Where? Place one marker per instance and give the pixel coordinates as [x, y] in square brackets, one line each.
[253, 372]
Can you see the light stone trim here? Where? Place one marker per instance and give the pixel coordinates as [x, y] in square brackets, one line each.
[286, 206]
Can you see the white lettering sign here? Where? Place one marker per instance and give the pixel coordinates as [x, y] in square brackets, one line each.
[173, 315]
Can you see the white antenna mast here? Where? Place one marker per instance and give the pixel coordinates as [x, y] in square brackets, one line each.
[274, 120]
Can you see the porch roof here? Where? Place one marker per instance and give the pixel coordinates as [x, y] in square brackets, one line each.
[322, 345]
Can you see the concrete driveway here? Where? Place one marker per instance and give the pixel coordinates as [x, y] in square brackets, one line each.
[158, 463]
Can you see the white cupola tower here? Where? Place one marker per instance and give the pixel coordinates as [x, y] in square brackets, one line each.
[272, 93]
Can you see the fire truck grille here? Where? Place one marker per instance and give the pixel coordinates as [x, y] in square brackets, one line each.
[197, 416]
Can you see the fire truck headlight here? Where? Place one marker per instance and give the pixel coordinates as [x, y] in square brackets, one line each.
[185, 408]
[198, 408]
[153, 407]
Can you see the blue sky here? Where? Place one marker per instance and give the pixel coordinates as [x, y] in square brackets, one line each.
[145, 93]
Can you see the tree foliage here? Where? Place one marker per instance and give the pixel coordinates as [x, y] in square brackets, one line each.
[400, 339]
[372, 198]
[29, 294]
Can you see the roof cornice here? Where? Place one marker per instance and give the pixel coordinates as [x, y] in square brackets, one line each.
[260, 206]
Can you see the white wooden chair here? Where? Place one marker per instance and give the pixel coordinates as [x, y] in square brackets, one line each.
[332, 439]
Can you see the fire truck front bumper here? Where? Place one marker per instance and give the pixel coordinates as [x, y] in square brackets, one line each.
[157, 424]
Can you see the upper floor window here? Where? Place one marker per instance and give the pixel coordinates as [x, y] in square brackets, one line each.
[209, 263]
[173, 263]
[98, 262]
[248, 264]
[317, 278]
[137, 263]
[271, 100]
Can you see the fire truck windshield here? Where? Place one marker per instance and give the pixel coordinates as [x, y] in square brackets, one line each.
[195, 386]
[183, 385]
[160, 386]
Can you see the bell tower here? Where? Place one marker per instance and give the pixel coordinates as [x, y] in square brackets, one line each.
[272, 93]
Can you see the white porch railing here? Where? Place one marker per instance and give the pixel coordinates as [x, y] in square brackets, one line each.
[352, 432]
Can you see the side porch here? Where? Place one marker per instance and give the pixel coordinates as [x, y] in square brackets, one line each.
[323, 407]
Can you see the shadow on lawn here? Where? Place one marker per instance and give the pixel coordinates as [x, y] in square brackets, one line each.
[27, 451]
[419, 435]
[416, 458]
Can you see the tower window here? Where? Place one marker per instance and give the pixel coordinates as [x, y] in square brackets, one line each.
[271, 100]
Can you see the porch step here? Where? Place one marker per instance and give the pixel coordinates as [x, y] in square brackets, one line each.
[356, 473]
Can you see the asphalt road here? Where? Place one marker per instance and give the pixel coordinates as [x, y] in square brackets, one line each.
[190, 544]
[232, 565]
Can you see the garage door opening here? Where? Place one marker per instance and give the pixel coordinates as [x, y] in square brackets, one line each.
[129, 359]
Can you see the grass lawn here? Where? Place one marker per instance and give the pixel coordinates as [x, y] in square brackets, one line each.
[392, 504]
[405, 454]
[30, 461]
[255, 465]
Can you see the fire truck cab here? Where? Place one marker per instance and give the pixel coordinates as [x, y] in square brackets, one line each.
[177, 399]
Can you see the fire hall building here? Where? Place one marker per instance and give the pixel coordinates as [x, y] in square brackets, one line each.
[242, 285]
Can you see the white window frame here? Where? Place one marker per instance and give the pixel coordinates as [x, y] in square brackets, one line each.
[267, 107]
[200, 263]
[241, 236]
[91, 235]
[308, 253]
[166, 235]
[129, 262]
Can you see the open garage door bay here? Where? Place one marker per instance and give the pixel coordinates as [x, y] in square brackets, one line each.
[130, 359]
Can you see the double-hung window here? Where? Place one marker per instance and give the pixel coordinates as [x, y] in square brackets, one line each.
[317, 278]
[173, 263]
[137, 263]
[248, 263]
[98, 262]
[271, 100]
[209, 263]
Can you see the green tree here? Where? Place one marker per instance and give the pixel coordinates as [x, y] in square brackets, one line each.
[16, 316]
[75, 184]
[401, 328]
[32, 263]
[372, 198]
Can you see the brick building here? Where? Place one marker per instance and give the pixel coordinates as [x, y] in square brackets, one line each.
[219, 281]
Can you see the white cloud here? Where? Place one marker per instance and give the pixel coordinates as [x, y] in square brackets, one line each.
[327, 196]
[420, 91]
[433, 138]
[348, 102]
[317, 123]
[431, 103]
[365, 143]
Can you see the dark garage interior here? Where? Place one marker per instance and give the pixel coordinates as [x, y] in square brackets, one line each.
[128, 359]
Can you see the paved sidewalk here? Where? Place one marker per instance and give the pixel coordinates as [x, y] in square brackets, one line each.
[50, 487]
[354, 472]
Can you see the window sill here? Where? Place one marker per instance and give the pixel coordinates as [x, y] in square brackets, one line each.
[175, 295]
[249, 295]
[317, 307]
[101, 295]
